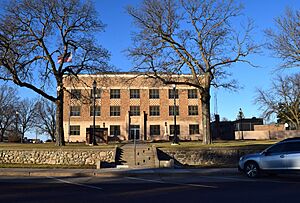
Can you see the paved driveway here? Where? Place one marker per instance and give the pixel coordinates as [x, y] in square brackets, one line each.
[180, 188]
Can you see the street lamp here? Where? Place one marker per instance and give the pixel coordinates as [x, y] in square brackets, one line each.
[94, 111]
[175, 141]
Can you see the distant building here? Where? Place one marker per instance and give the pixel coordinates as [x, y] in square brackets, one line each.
[225, 130]
[149, 102]
[247, 124]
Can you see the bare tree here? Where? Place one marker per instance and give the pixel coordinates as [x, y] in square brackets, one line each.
[45, 118]
[8, 107]
[26, 115]
[35, 33]
[190, 36]
[283, 99]
[284, 38]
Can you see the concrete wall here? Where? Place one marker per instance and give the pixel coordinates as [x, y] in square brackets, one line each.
[273, 127]
[265, 135]
[57, 156]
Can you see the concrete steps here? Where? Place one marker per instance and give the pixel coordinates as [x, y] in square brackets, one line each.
[139, 156]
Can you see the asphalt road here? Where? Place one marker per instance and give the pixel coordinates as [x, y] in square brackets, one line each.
[154, 189]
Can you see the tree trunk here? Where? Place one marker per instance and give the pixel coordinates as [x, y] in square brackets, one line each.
[205, 105]
[60, 141]
[1, 135]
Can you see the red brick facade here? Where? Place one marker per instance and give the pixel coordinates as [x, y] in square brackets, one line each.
[158, 122]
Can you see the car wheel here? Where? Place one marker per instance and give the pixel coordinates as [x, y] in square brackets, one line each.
[251, 169]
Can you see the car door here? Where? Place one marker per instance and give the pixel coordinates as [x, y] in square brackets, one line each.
[273, 158]
[292, 156]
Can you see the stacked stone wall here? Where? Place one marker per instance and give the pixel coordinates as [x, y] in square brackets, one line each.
[206, 157]
[57, 157]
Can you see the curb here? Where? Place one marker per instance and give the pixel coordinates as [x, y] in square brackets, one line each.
[114, 172]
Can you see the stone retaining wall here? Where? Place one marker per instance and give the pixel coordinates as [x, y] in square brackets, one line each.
[204, 157]
[57, 156]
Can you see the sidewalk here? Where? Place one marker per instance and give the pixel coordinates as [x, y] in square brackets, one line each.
[114, 172]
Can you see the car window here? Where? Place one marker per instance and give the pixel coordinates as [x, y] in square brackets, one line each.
[277, 148]
[292, 147]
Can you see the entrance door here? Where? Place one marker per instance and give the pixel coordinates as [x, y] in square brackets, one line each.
[134, 132]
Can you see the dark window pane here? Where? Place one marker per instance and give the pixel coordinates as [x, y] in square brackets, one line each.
[276, 148]
[115, 130]
[192, 94]
[97, 93]
[75, 111]
[97, 111]
[194, 129]
[154, 110]
[171, 110]
[115, 94]
[134, 110]
[292, 147]
[193, 110]
[134, 94]
[154, 94]
[171, 94]
[177, 129]
[74, 129]
[154, 130]
[115, 111]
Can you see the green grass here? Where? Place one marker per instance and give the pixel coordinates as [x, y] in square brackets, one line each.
[53, 146]
[219, 144]
[191, 144]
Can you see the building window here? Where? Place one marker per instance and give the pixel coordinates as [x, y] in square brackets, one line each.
[75, 94]
[194, 129]
[171, 94]
[74, 129]
[134, 110]
[75, 111]
[115, 111]
[134, 94]
[154, 110]
[97, 93]
[171, 110]
[115, 130]
[115, 94]
[172, 129]
[97, 111]
[192, 94]
[154, 94]
[154, 130]
[193, 110]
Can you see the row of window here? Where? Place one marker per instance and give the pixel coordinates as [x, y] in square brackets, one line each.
[134, 94]
[154, 129]
[134, 110]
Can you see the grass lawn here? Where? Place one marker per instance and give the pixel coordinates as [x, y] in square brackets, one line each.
[191, 144]
[219, 144]
[52, 146]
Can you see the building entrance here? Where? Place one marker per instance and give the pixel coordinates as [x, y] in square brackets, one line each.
[134, 132]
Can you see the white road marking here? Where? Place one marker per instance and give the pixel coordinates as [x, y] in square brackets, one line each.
[228, 178]
[78, 184]
[174, 183]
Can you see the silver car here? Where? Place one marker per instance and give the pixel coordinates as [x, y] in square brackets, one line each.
[283, 156]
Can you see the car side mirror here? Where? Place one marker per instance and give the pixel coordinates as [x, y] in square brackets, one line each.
[266, 153]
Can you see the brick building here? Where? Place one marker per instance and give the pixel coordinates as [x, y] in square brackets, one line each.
[149, 101]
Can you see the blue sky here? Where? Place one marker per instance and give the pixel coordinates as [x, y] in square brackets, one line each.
[117, 37]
